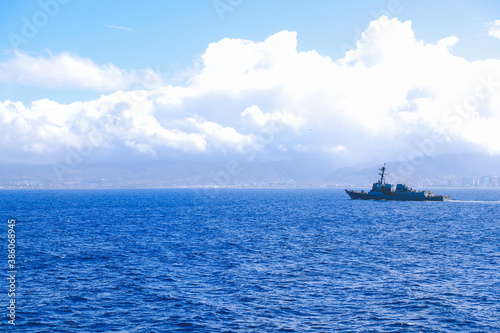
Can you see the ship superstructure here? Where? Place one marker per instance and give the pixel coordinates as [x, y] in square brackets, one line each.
[384, 191]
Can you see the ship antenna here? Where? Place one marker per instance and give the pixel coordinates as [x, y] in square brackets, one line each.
[382, 169]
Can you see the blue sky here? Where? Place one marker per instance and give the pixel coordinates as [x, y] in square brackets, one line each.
[170, 35]
[87, 55]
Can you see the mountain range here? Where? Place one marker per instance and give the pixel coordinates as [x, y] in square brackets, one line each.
[448, 169]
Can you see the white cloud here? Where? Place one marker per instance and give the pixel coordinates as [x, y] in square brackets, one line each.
[494, 29]
[67, 70]
[380, 101]
[335, 149]
[219, 136]
[119, 27]
[262, 119]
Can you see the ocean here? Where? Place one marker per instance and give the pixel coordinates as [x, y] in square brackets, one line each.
[250, 260]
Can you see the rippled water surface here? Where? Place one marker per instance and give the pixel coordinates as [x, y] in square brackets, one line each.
[252, 260]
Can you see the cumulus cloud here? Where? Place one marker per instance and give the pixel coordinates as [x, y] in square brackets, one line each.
[389, 96]
[494, 29]
[262, 119]
[67, 70]
[129, 119]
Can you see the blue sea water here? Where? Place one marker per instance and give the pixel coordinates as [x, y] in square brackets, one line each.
[251, 260]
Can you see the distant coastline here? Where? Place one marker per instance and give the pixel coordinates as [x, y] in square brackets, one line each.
[201, 187]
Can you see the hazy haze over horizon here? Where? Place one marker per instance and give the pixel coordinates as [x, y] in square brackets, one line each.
[248, 81]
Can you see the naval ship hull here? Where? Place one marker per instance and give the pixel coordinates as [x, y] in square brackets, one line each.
[395, 196]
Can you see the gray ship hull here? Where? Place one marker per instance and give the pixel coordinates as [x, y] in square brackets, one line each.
[395, 196]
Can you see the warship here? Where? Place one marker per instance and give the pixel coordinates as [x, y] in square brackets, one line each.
[383, 191]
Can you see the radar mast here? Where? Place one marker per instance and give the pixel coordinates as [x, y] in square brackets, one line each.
[381, 173]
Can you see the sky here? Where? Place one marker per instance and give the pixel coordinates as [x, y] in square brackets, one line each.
[356, 82]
